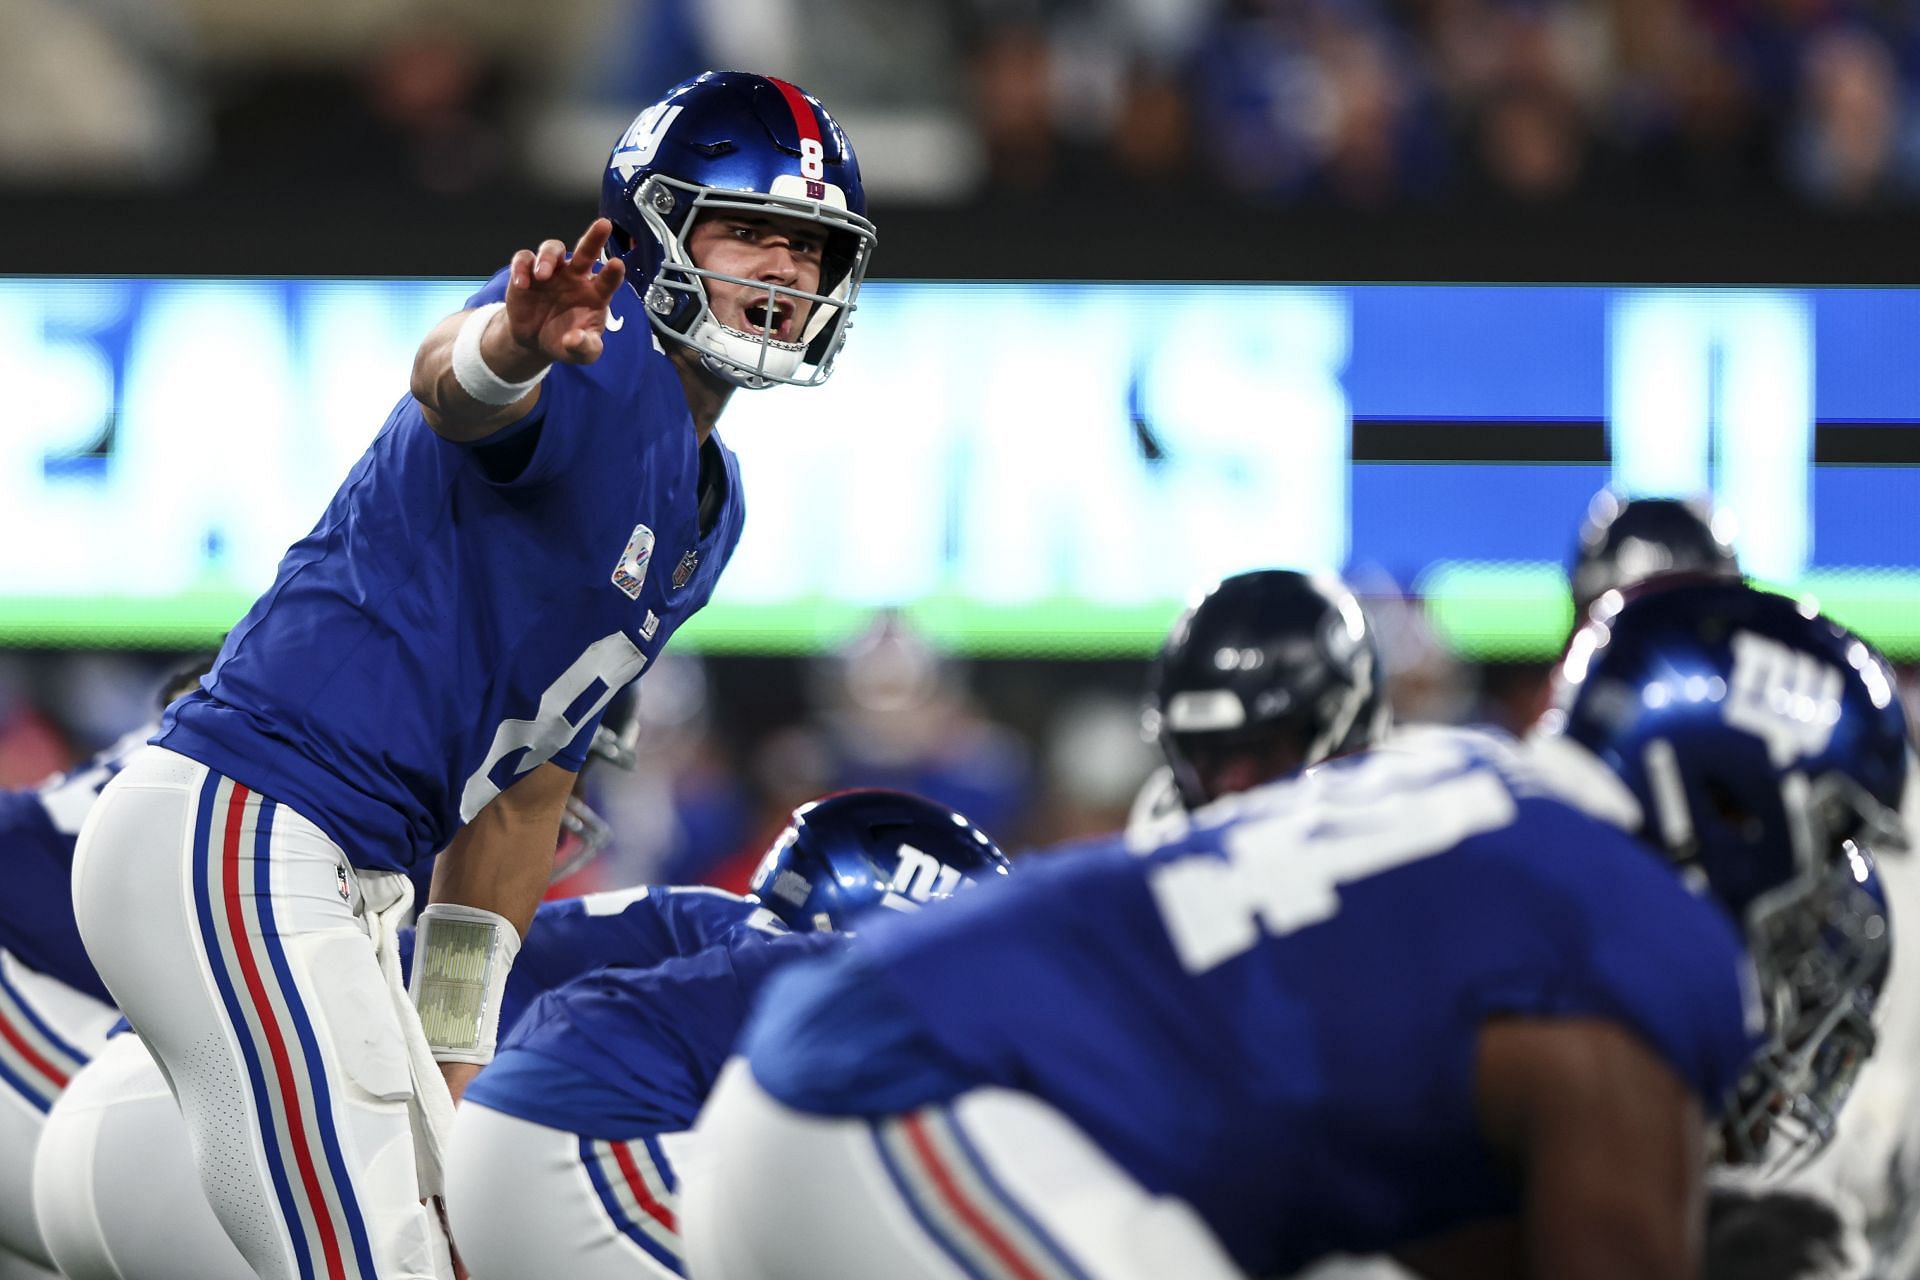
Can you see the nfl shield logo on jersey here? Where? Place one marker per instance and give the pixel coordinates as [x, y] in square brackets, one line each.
[631, 571]
[684, 570]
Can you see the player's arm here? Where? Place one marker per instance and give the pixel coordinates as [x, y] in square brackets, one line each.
[1609, 1143]
[498, 864]
[480, 369]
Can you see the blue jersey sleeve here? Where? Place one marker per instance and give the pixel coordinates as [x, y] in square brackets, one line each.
[698, 916]
[635, 928]
[494, 290]
[833, 1038]
[1649, 954]
[573, 756]
[626, 1052]
[1686, 984]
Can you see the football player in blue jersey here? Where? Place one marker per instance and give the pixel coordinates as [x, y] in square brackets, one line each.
[530, 526]
[1483, 1005]
[570, 1150]
[54, 1012]
[1267, 673]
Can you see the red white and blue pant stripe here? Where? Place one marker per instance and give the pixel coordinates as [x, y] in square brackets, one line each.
[640, 1194]
[35, 1060]
[955, 1197]
[285, 1071]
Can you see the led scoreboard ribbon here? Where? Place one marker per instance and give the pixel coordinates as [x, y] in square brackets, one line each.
[1056, 482]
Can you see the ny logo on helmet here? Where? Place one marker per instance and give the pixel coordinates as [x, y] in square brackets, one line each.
[922, 877]
[643, 138]
[1787, 699]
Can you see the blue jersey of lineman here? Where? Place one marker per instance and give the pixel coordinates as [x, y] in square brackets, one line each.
[626, 1053]
[570, 937]
[1274, 1017]
[463, 613]
[38, 828]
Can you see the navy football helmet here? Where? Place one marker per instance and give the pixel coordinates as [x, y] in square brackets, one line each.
[732, 141]
[1624, 542]
[584, 834]
[1758, 738]
[854, 851]
[1270, 672]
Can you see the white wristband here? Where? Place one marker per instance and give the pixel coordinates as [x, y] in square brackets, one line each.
[461, 956]
[470, 368]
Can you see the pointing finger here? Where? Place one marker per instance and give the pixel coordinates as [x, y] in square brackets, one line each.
[548, 259]
[591, 243]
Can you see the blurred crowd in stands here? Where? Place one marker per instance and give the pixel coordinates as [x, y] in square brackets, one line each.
[1349, 103]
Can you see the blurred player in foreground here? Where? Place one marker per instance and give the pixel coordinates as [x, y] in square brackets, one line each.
[1462, 1000]
[530, 526]
[1271, 671]
[54, 1011]
[571, 1148]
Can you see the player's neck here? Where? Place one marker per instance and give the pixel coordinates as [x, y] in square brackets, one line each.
[706, 394]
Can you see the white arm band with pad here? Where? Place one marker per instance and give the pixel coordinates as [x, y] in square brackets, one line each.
[461, 956]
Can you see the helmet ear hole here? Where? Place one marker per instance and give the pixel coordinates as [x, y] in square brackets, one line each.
[842, 251]
[1727, 807]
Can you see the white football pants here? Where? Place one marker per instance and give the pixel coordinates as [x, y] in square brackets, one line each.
[996, 1185]
[228, 929]
[48, 1030]
[13, 1267]
[115, 1188]
[527, 1200]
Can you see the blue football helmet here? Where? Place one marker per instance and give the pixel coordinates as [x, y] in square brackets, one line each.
[1624, 542]
[1758, 738]
[732, 141]
[854, 851]
[1271, 671]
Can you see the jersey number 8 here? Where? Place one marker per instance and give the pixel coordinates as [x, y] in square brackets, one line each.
[613, 660]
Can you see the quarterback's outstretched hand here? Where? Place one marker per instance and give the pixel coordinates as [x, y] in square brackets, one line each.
[557, 305]
[555, 312]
